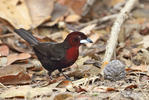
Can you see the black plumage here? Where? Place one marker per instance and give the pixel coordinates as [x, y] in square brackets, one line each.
[55, 55]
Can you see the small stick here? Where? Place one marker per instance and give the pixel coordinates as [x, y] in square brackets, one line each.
[100, 20]
[112, 42]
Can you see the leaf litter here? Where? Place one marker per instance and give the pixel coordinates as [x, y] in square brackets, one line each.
[22, 76]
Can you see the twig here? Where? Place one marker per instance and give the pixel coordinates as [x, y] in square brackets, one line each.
[2, 85]
[82, 81]
[139, 84]
[112, 42]
[106, 18]
[7, 35]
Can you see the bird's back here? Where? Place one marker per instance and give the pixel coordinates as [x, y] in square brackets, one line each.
[50, 55]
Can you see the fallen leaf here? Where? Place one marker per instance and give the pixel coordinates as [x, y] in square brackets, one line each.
[110, 89]
[63, 96]
[26, 13]
[83, 97]
[63, 84]
[64, 34]
[55, 36]
[16, 14]
[72, 18]
[87, 30]
[4, 50]
[15, 45]
[143, 68]
[39, 11]
[131, 87]
[114, 2]
[103, 89]
[14, 74]
[1, 42]
[144, 31]
[81, 60]
[58, 11]
[145, 41]
[26, 91]
[3, 61]
[79, 89]
[74, 5]
[14, 57]
[140, 19]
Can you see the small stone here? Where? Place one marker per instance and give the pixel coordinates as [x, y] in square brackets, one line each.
[114, 71]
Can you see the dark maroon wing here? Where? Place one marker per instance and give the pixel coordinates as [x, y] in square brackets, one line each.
[52, 51]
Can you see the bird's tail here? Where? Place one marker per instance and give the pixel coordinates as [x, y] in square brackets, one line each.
[26, 35]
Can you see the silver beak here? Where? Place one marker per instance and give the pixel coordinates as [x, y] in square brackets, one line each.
[86, 41]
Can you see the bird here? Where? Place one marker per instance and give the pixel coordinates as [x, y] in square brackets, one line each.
[56, 56]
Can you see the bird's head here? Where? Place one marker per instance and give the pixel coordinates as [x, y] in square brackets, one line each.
[77, 38]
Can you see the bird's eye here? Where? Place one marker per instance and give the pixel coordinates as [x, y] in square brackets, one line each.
[79, 37]
[75, 40]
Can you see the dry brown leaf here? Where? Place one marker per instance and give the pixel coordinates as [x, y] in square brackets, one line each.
[114, 2]
[140, 20]
[26, 91]
[15, 13]
[80, 89]
[110, 89]
[1, 42]
[3, 61]
[81, 60]
[145, 41]
[103, 89]
[145, 30]
[73, 18]
[40, 10]
[11, 42]
[131, 87]
[14, 57]
[87, 30]
[52, 23]
[4, 50]
[55, 36]
[83, 97]
[58, 12]
[143, 68]
[63, 84]
[64, 34]
[74, 5]
[63, 96]
[27, 16]
[14, 74]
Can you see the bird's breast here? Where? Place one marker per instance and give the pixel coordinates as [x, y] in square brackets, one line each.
[72, 54]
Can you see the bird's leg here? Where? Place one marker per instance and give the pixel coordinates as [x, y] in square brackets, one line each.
[49, 79]
[49, 75]
[66, 76]
[60, 70]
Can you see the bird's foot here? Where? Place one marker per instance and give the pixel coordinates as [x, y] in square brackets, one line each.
[67, 78]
